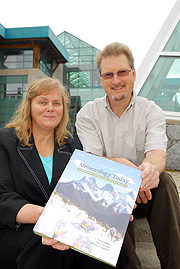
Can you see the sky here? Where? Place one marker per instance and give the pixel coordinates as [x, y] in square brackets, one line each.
[100, 22]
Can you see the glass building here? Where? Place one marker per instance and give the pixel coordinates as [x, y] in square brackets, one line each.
[26, 54]
[80, 74]
[159, 73]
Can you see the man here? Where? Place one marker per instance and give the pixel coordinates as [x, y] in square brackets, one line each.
[131, 130]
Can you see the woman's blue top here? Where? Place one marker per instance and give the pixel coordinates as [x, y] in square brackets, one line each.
[48, 165]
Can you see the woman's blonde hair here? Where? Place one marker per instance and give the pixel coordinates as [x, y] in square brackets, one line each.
[22, 121]
[114, 49]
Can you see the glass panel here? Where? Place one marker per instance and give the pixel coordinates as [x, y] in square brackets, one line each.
[28, 64]
[14, 65]
[95, 79]
[24, 87]
[18, 58]
[45, 66]
[163, 84]
[14, 58]
[85, 58]
[86, 51]
[2, 91]
[73, 61]
[86, 65]
[7, 107]
[13, 79]
[81, 76]
[85, 94]
[28, 52]
[73, 52]
[77, 79]
[84, 44]
[71, 42]
[97, 93]
[12, 89]
[173, 43]
[28, 58]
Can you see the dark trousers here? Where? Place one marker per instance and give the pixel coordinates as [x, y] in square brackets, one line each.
[163, 215]
[23, 250]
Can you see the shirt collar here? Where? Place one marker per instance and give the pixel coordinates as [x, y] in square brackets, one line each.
[133, 99]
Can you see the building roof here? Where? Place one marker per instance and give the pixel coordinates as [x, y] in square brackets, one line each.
[158, 45]
[162, 59]
[24, 37]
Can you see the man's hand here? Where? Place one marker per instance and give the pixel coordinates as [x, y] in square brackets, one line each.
[150, 180]
[150, 176]
[144, 196]
[132, 217]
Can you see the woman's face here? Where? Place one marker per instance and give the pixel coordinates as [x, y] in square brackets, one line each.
[47, 110]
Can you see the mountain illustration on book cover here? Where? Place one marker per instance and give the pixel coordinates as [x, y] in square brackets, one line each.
[91, 205]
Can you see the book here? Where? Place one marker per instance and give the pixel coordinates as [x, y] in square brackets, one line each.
[91, 205]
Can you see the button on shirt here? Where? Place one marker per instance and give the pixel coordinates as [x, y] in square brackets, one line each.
[141, 128]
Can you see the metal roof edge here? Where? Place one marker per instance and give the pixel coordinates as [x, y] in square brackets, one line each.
[157, 46]
[35, 32]
[2, 31]
[78, 39]
[58, 44]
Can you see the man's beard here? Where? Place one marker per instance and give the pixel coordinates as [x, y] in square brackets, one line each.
[119, 98]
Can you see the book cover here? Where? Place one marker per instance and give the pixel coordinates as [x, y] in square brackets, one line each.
[91, 205]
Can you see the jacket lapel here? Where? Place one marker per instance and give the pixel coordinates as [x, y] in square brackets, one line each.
[61, 158]
[31, 158]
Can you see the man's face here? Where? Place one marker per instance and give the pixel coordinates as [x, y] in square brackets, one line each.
[117, 87]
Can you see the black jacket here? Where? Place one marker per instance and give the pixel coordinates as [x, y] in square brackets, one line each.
[22, 176]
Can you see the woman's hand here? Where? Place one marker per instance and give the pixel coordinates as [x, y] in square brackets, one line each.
[132, 217]
[54, 243]
[29, 213]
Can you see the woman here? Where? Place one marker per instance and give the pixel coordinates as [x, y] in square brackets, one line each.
[35, 147]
